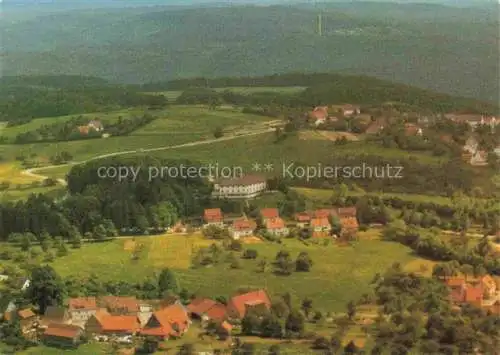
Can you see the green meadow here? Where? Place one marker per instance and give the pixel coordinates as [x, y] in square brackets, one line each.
[338, 273]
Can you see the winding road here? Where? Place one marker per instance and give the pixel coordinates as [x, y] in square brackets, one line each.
[32, 171]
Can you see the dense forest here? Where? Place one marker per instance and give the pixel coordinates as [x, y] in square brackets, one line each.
[95, 203]
[25, 98]
[430, 46]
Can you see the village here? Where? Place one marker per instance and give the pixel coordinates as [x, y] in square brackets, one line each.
[127, 321]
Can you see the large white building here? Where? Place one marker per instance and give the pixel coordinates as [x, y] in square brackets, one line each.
[248, 186]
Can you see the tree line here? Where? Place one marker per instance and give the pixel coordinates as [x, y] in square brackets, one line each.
[323, 88]
[21, 100]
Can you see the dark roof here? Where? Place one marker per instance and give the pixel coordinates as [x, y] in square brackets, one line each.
[242, 181]
[55, 313]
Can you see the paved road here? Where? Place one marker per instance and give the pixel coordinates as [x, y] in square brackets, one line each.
[32, 172]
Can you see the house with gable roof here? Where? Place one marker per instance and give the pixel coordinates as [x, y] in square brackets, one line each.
[239, 304]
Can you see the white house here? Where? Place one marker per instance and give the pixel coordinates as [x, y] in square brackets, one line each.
[276, 227]
[242, 228]
[320, 225]
[248, 186]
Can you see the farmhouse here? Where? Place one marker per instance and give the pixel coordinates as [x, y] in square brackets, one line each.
[242, 228]
[319, 115]
[349, 225]
[96, 125]
[276, 227]
[302, 219]
[207, 309]
[248, 186]
[412, 129]
[213, 217]
[104, 323]
[239, 305]
[319, 225]
[269, 213]
[81, 309]
[344, 212]
[172, 321]
[62, 335]
[324, 213]
[376, 126]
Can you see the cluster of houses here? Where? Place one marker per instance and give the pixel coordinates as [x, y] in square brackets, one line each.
[318, 222]
[474, 120]
[92, 126]
[472, 155]
[483, 292]
[122, 318]
[322, 114]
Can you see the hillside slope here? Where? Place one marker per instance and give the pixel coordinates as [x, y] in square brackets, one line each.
[442, 48]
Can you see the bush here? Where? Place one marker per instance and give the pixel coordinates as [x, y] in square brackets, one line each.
[250, 254]
[236, 245]
[321, 343]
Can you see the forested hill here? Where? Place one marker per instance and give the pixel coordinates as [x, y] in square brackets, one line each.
[330, 88]
[433, 46]
[24, 98]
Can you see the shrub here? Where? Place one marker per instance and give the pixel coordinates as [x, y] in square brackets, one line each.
[250, 254]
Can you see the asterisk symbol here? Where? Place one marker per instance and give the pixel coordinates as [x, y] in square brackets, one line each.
[256, 167]
[268, 167]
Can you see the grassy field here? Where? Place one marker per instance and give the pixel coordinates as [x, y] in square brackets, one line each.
[325, 195]
[87, 349]
[199, 120]
[105, 117]
[174, 126]
[339, 273]
[172, 95]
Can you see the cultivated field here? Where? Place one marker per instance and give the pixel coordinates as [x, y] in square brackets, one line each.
[339, 272]
[327, 135]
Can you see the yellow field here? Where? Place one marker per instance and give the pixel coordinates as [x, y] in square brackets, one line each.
[12, 173]
[326, 135]
[174, 250]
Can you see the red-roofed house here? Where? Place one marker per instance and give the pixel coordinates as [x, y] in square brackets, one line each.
[474, 295]
[81, 309]
[276, 227]
[64, 335]
[319, 225]
[207, 309]
[172, 321]
[27, 319]
[200, 306]
[324, 213]
[346, 212]
[213, 217]
[349, 226]
[238, 305]
[319, 115]
[303, 219]
[269, 213]
[105, 323]
[242, 228]
[412, 129]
